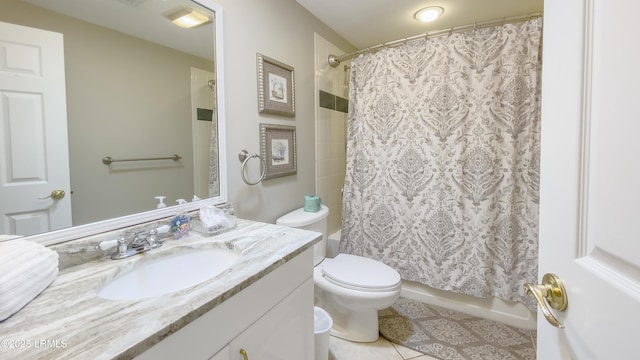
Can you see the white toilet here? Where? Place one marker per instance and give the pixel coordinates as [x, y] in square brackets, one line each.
[350, 288]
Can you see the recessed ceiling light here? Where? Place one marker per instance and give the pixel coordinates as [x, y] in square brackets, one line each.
[187, 18]
[429, 13]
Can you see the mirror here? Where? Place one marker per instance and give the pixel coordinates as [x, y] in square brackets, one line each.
[151, 94]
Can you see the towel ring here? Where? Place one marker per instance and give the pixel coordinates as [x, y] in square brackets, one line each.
[244, 157]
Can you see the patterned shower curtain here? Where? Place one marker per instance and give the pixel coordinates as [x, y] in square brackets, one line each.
[443, 149]
[214, 159]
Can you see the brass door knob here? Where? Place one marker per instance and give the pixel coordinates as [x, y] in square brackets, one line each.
[551, 292]
[56, 194]
[244, 354]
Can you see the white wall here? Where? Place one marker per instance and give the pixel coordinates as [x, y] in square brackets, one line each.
[284, 31]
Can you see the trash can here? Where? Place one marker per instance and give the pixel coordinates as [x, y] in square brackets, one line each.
[322, 324]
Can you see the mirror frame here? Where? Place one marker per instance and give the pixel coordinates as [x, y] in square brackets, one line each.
[76, 232]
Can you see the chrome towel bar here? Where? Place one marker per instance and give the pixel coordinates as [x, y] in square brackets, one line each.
[107, 160]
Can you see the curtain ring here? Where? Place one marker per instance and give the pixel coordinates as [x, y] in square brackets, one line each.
[475, 25]
[451, 31]
[244, 156]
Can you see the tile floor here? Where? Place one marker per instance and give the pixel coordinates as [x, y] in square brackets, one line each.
[382, 349]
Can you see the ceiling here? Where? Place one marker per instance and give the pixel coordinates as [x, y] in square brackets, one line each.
[365, 23]
[141, 18]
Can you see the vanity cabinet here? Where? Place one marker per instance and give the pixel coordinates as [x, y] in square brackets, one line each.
[222, 354]
[281, 333]
[271, 319]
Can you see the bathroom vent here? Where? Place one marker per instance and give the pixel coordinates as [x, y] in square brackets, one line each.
[133, 3]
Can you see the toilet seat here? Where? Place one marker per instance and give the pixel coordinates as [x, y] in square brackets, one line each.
[360, 273]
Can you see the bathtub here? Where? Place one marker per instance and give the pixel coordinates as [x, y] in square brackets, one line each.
[506, 312]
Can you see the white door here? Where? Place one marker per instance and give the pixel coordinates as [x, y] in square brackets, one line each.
[590, 166]
[34, 155]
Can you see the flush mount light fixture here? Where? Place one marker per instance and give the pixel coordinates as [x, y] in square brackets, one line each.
[186, 17]
[429, 13]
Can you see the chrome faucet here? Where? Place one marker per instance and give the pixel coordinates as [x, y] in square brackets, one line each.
[138, 242]
[137, 245]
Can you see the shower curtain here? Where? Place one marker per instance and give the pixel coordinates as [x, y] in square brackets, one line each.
[443, 147]
[214, 157]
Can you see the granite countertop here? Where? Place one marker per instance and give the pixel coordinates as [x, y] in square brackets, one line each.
[69, 321]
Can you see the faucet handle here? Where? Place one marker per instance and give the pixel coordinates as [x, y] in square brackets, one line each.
[107, 244]
[122, 245]
[152, 239]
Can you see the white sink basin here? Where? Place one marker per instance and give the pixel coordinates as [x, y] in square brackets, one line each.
[169, 274]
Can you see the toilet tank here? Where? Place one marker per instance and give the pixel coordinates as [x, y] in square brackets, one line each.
[313, 221]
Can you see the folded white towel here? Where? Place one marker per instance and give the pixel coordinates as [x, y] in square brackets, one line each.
[6, 237]
[26, 269]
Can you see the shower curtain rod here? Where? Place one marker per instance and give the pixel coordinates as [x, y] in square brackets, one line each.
[334, 60]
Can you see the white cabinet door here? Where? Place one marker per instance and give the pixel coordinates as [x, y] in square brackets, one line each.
[589, 177]
[222, 354]
[284, 333]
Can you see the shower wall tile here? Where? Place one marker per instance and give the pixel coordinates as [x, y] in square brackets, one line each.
[204, 114]
[331, 117]
[327, 100]
[342, 104]
[325, 80]
[323, 180]
[333, 102]
[323, 134]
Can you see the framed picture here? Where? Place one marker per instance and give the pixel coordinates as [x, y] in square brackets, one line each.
[276, 90]
[278, 150]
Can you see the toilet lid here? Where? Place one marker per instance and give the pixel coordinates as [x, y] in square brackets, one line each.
[360, 273]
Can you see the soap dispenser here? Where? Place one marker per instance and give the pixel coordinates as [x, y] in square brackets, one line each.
[161, 203]
[180, 223]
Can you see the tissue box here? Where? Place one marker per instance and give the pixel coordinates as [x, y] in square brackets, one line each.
[214, 229]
